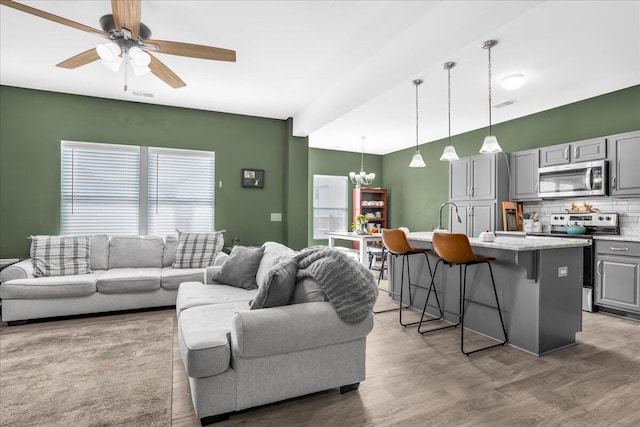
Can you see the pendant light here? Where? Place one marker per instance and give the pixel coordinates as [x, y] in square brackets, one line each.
[449, 152]
[417, 161]
[362, 178]
[490, 144]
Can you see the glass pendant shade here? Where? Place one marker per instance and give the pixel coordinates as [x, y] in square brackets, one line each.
[140, 71]
[139, 57]
[113, 65]
[417, 161]
[449, 153]
[108, 51]
[490, 145]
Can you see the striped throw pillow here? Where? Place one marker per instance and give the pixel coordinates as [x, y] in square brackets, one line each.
[196, 250]
[60, 255]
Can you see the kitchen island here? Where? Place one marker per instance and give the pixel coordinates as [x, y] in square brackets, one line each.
[539, 285]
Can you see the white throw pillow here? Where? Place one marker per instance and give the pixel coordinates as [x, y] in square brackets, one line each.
[60, 255]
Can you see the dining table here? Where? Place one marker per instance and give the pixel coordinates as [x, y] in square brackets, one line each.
[362, 239]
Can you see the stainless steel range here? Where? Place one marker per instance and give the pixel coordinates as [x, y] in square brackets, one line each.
[596, 224]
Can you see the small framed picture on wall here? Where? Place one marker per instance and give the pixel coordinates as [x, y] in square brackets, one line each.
[253, 178]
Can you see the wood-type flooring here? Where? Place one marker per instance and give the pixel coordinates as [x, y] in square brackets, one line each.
[415, 380]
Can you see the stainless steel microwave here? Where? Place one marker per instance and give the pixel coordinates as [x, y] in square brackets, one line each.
[573, 180]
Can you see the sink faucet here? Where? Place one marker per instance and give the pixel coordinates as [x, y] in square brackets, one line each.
[442, 206]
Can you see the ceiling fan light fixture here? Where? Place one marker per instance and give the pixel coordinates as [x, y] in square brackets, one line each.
[140, 71]
[512, 81]
[139, 57]
[113, 65]
[108, 52]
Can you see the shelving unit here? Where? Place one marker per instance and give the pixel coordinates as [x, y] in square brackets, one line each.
[373, 202]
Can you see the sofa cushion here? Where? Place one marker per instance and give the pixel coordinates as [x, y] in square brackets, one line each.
[120, 280]
[278, 287]
[135, 252]
[195, 294]
[99, 252]
[169, 254]
[241, 267]
[78, 285]
[308, 290]
[273, 252]
[204, 344]
[172, 277]
[60, 255]
[197, 250]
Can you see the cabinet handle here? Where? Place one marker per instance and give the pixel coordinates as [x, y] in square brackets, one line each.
[566, 153]
[598, 268]
[613, 183]
[619, 249]
[575, 153]
[473, 189]
[471, 211]
[537, 187]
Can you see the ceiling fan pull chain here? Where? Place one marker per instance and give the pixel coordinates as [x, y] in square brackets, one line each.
[126, 60]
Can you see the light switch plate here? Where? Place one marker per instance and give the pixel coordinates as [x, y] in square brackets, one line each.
[563, 271]
[276, 217]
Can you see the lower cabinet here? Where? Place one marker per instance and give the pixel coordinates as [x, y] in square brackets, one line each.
[618, 275]
[475, 217]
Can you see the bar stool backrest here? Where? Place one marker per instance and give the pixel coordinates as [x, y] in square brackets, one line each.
[454, 248]
[396, 241]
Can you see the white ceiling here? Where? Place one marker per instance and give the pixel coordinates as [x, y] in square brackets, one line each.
[344, 69]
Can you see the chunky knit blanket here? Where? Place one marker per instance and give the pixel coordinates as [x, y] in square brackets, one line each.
[348, 285]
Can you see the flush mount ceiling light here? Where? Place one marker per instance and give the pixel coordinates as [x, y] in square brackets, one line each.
[417, 161]
[361, 178]
[449, 152]
[512, 81]
[490, 144]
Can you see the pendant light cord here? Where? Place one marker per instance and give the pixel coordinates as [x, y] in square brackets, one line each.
[362, 154]
[416, 83]
[449, 100]
[489, 49]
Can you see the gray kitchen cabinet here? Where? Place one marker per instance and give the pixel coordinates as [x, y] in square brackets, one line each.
[555, 155]
[618, 275]
[589, 150]
[524, 175]
[476, 217]
[624, 150]
[473, 178]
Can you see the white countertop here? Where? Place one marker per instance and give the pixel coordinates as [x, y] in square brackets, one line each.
[628, 238]
[528, 243]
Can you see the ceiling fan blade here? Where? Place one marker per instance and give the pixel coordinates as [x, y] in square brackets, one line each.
[80, 59]
[165, 74]
[126, 14]
[51, 17]
[194, 50]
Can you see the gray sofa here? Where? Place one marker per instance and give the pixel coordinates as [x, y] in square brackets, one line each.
[127, 272]
[237, 358]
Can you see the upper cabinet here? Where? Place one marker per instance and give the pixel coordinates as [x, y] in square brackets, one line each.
[524, 175]
[575, 152]
[473, 178]
[624, 152]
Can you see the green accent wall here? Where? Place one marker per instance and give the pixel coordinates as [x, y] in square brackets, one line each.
[418, 193]
[331, 162]
[32, 124]
[296, 209]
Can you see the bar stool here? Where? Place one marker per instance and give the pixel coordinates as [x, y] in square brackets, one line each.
[395, 240]
[454, 249]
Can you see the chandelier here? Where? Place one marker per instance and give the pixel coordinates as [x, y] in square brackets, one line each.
[361, 179]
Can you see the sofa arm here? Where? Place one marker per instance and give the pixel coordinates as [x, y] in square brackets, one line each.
[290, 328]
[220, 258]
[20, 270]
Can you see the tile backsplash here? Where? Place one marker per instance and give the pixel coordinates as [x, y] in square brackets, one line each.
[628, 210]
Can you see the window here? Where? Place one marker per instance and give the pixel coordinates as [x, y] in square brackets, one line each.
[330, 201]
[119, 189]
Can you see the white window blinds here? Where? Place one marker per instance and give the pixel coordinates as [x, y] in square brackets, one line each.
[330, 199]
[100, 188]
[181, 191]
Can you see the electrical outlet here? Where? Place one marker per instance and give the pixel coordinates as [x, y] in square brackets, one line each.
[277, 217]
[563, 271]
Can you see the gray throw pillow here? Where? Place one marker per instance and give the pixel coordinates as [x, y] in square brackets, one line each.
[240, 268]
[308, 290]
[277, 289]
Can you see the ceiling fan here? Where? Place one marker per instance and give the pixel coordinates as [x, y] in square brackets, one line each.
[129, 41]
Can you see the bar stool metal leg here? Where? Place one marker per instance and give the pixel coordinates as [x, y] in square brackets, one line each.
[433, 289]
[463, 298]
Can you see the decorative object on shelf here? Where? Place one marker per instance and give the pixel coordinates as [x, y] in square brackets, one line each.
[490, 144]
[512, 81]
[253, 178]
[582, 207]
[449, 152]
[362, 178]
[417, 161]
[360, 225]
